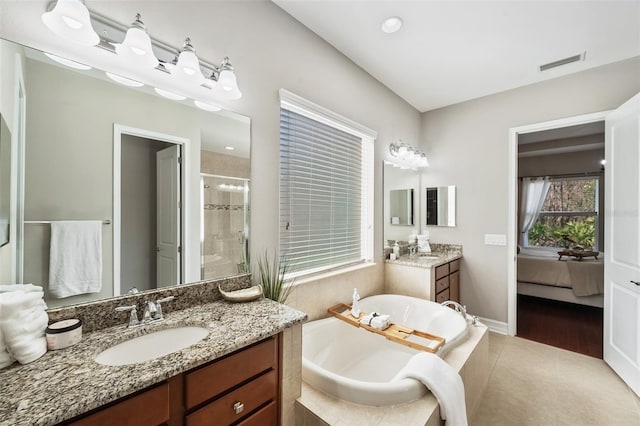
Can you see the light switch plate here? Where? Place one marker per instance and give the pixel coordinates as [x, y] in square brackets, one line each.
[495, 239]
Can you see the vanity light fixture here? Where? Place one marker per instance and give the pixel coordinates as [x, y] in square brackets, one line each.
[68, 62]
[391, 24]
[169, 95]
[123, 80]
[405, 156]
[71, 19]
[227, 84]
[187, 65]
[136, 46]
[137, 52]
[206, 106]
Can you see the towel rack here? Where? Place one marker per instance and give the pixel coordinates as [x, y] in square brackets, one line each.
[104, 222]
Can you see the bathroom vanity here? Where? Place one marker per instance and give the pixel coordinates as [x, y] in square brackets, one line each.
[241, 387]
[233, 375]
[433, 276]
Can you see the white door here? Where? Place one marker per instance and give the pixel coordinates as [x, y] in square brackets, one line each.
[168, 216]
[622, 243]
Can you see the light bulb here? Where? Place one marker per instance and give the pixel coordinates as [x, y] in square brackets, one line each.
[187, 67]
[136, 47]
[68, 62]
[123, 80]
[169, 95]
[71, 20]
[206, 106]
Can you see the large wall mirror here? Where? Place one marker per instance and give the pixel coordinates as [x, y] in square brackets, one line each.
[441, 206]
[166, 182]
[401, 188]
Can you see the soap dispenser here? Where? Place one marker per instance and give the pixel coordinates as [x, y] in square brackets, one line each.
[396, 250]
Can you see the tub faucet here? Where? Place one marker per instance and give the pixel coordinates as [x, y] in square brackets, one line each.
[458, 307]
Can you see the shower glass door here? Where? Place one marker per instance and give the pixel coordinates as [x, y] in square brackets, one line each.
[224, 224]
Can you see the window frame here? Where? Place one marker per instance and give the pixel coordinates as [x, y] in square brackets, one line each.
[595, 213]
[302, 106]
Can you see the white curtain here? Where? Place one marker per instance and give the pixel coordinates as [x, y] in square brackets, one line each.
[534, 192]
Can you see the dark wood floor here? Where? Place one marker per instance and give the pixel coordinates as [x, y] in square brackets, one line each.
[577, 328]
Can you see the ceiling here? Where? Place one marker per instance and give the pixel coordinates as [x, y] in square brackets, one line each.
[453, 51]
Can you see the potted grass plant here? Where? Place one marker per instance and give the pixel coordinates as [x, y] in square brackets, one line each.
[271, 276]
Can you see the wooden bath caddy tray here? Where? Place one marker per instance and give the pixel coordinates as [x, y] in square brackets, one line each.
[415, 339]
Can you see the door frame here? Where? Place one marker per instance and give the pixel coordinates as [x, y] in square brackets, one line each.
[118, 131]
[512, 206]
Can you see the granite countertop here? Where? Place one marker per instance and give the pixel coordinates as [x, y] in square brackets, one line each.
[427, 260]
[68, 382]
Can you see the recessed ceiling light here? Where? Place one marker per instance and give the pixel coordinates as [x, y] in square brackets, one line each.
[207, 107]
[392, 24]
[169, 95]
[229, 148]
[123, 80]
[68, 62]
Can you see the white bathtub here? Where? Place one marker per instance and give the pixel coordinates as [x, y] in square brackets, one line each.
[358, 366]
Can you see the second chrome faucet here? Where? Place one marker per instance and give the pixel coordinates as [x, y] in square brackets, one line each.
[152, 311]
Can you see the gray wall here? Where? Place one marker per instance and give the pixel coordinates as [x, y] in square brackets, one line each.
[467, 145]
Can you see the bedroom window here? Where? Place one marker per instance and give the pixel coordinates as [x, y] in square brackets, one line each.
[326, 188]
[569, 215]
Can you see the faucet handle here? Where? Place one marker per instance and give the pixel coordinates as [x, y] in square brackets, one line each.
[159, 303]
[133, 318]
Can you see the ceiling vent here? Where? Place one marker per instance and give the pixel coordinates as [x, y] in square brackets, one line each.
[565, 61]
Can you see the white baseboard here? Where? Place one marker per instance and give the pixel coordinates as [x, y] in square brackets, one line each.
[495, 326]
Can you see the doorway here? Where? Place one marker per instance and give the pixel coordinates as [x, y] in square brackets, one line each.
[530, 132]
[148, 210]
[225, 225]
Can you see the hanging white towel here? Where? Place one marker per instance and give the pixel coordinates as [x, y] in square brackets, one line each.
[443, 381]
[75, 263]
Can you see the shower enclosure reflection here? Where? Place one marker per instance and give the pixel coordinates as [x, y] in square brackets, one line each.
[225, 225]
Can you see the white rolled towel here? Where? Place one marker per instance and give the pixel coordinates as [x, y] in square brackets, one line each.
[5, 288]
[377, 321]
[6, 359]
[29, 349]
[31, 322]
[14, 302]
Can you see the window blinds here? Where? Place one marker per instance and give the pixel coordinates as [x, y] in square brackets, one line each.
[321, 193]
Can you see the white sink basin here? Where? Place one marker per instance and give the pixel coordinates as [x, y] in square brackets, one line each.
[151, 346]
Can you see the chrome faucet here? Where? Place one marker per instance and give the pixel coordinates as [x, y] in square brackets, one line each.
[458, 307]
[133, 317]
[152, 311]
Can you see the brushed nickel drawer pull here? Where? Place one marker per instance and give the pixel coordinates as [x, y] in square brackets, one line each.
[238, 407]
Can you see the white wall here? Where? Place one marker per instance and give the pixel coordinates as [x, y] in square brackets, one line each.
[467, 145]
[270, 50]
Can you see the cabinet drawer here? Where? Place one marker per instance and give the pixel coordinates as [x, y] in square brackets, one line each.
[213, 379]
[454, 265]
[442, 296]
[442, 271]
[266, 416]
[442, 284]
[454, 286]
[147, 408]
[251, 396]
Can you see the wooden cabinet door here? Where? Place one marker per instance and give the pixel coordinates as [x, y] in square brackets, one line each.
[150, 407]
[454, 286]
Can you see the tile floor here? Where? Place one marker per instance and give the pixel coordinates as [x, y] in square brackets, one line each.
[535, 384]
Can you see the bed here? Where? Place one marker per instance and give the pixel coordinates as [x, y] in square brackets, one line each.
[568, 280]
